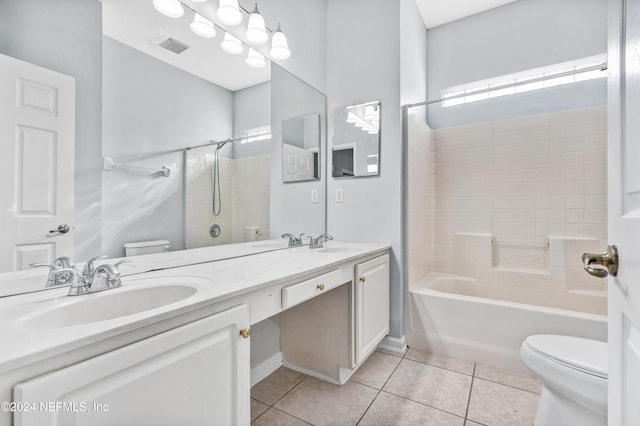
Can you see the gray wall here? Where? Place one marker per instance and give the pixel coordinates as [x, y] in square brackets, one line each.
[38, 31]
[363, 64]
[150, 106]
[518, 36]
[251, 110]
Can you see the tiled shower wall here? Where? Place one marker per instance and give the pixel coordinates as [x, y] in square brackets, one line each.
[518, 201]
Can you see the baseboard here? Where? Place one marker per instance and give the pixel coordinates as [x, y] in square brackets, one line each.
[394, 344]
[265, 368]
[315, 374]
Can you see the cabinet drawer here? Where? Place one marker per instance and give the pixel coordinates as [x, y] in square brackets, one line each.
[294, 294]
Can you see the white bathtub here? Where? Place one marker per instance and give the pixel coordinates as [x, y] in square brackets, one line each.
[456, 316]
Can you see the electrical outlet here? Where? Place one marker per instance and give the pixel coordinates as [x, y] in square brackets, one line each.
[314, 196]
[339, 195]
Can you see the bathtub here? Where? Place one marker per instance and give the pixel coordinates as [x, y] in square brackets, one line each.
[456, 316]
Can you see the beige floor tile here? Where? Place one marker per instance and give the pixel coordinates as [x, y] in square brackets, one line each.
[321, 403]
[495, 404]
[376, 370]
[394, 353]
[510, 378]
[432, 386]
[470, 423]
[442, 361]
[257, 408]
[390, 410]
[276, 417]
[272, 388]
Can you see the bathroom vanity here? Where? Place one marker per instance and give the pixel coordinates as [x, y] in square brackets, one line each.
[172, 346]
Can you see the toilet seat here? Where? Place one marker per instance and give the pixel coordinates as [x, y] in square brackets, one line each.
[584, 355]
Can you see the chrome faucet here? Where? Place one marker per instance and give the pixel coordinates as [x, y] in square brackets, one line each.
[293, 240]
[103, 277]
[88, 269]
[317, 242]
[57, 276]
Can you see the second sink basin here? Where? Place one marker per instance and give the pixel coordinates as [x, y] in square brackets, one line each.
[144, 295]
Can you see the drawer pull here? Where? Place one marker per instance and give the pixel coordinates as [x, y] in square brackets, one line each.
[245, 332]
[320, 287]
[362, 280]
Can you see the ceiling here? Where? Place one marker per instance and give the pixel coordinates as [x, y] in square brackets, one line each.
[137, 24]
[439, 12]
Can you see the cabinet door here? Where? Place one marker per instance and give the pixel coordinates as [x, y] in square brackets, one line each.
[196, 374]
[372, 305]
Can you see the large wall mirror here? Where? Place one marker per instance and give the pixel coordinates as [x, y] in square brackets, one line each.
[165, 94]
[356, 140]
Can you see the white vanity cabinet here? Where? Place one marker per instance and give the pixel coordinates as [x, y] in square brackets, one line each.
[371, 288]
[194, 374]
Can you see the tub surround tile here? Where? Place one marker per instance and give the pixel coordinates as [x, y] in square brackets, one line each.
[322, 403]
[442, 361]
[509, 378]
[390, 409]
[257, 408]
[496, 404]
[376, 370]
[276, 385]
[433, 386]
[277, 417]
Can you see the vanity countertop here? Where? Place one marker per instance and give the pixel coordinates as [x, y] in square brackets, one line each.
[218, 281]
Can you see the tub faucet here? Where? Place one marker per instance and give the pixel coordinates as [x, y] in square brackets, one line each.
[317, 242]
[293, 240]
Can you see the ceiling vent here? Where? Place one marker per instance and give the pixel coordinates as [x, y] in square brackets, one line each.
[174, 45]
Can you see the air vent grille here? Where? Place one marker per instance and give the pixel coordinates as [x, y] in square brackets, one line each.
[174, 45]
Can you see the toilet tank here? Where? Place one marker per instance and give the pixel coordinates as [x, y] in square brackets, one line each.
[146, 247]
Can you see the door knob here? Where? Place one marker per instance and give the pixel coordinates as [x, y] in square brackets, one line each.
[608, 260]
[62, 229]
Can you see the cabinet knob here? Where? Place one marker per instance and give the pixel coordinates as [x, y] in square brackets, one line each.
[362, 280]
[245, 332]
[320, 287]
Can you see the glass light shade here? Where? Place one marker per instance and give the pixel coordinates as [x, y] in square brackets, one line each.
[370, 113]
[232, 45]
[351, 118]
[202, 26]
[255, 59]
[359, 124]
[170, 8]
[256, 31]
[279, 46]
[229, 12]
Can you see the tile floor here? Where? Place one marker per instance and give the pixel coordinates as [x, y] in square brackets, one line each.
[391, 389]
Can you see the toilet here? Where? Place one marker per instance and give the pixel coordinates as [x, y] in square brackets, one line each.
[573, 371]
[146, 247]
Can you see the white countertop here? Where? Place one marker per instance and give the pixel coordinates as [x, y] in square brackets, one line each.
[223, 279]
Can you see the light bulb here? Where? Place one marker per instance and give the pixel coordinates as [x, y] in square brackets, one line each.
[279, 46]
[229, 12]
[170, 8]
[202, 26]
[256, 30]
[255, 59]
[232, 45]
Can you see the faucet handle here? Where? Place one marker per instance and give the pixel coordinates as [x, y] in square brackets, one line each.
[57, 275]
[63, 262]
[293, 241]
[89, 268]
[123, 262]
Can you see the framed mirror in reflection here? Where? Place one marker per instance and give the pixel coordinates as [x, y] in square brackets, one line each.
[356, 140]
[159, 110]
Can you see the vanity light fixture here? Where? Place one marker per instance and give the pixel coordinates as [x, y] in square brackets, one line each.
[351, 118]
[231, 45]
[256, 30]
[229, 12]
[170, 8]
[279, 46]
[255, 59]
[371, 112]
[202, 26]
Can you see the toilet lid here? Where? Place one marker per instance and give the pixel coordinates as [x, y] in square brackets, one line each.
[588, 356]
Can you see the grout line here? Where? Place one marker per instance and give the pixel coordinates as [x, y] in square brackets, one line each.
[291, 415]
[380, 390]
[426, 405]
[507, 385]
[466, 413]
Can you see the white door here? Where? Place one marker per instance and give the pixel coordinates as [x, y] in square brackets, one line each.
[624, 211]
[197, 374]
[37, 133]
[297, 163]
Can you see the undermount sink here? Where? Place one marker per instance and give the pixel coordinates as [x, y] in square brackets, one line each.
[133, 297]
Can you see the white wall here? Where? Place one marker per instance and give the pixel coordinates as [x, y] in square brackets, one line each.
[518, 36]
[150, 106]
[251, 110]
[38, 31]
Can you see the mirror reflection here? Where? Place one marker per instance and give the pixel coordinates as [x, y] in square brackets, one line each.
[186, 154]
[356, 140]
[301, 148]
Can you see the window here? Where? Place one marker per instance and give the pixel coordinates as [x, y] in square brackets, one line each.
[534, 79]
[257, 134]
